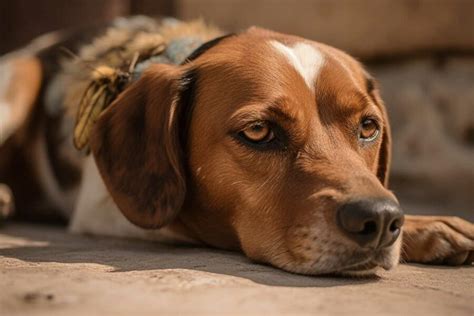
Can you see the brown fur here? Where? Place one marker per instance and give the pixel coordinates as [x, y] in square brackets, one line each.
[143, 172]
[277, 207]
[167, 151]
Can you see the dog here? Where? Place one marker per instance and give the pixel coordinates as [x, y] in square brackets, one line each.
[260, 142]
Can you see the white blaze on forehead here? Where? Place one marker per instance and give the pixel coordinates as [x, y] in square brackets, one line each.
[306, 59]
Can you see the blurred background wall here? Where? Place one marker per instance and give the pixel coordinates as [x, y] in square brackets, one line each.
[421, 52]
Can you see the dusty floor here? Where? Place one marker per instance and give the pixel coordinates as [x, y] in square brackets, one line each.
[45, 271]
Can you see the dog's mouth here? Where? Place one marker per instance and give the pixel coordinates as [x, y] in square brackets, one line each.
[362, 269]
[364, 266]
[367, 266]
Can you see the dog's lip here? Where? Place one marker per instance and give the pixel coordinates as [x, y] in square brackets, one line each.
[366, 266]
[367, 263]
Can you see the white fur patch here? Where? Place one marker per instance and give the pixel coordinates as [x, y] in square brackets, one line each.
[96, 213]
[306, 59]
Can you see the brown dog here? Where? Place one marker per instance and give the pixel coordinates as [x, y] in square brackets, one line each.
[262, 142]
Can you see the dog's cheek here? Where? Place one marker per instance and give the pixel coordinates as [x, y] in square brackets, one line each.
[260, 226]
[212, 199]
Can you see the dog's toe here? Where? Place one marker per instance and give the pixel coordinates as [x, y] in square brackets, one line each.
[438, 240]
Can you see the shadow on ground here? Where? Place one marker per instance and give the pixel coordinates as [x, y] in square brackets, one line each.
[52, 244]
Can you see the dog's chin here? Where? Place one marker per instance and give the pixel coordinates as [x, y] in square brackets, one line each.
[386, 260]
[368, 273]
[356, 263]
[364, 270]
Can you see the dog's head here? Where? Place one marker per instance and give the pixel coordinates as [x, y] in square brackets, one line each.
[265, 142]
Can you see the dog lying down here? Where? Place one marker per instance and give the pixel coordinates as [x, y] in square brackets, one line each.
[261, 142]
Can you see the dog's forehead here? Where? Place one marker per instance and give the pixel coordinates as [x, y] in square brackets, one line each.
[269, 66]
[304, 57]
[318, 64]
[268, 53]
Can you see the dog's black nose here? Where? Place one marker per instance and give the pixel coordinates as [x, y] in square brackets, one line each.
[372, 223]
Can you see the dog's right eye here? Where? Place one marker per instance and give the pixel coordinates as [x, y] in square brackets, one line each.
[258, 132]
[369, 130]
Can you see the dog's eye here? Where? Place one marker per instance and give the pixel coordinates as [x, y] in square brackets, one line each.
[369, 130]
[258, 132]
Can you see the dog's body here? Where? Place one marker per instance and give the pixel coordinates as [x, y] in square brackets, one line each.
[179, 150]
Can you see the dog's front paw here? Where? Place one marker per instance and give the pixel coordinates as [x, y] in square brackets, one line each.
[438, 240]
[7, 205]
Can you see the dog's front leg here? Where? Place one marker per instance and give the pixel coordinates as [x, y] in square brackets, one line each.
[438, 240]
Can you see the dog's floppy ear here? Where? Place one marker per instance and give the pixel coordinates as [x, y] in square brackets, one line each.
[385, 154]
[136, 146]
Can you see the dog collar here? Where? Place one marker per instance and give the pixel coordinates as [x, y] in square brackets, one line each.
[107, 82]
[175, 53]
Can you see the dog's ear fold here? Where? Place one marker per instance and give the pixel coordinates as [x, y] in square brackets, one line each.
[136, 146]
[385, 153]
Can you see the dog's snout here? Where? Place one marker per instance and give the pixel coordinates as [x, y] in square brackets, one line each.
[372, 223]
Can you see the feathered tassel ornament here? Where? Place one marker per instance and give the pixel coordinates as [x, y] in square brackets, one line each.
[105, 86]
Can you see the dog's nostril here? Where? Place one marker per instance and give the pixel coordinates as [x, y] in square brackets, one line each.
[372, 223]
[370, 227]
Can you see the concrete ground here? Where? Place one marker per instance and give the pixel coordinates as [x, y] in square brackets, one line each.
[46, 271]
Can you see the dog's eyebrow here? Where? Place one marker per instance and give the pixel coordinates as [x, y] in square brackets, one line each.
[276, 109]
[360, 103]
[254, 112]
[332, 108]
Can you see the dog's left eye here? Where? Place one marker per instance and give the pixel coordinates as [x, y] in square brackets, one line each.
[258, 132]
[369, 130]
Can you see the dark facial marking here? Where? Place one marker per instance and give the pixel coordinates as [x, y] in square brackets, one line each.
[186, 98]
[370, 84]
[204, 47]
